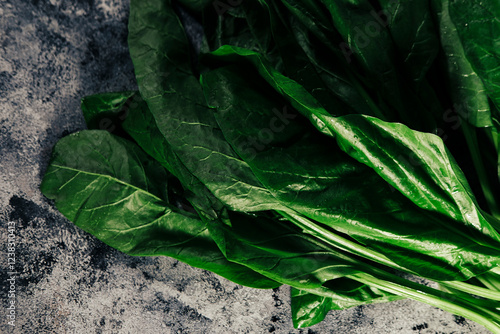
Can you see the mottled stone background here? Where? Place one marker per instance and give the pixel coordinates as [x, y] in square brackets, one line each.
[52, 53]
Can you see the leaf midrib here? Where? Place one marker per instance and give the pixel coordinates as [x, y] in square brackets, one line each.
[111, 178]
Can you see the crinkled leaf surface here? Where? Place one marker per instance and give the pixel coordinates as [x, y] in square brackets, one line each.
[175, 99]
[328, 195]
[415, 163]
[104, 184]
[311, 174]
[138, 123]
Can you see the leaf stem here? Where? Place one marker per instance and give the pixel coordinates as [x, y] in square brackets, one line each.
[472, 143]
[440, 299]
[491, 280]
[473, 289]
[337, 241]
[476, 301]
[464, 306]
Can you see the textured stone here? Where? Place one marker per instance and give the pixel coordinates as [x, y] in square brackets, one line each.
[52, 53]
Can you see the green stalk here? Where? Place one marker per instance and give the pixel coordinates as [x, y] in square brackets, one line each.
[477, 160]
[473, 289]
[452, 299]
[493, 136]
[491, 304]
[340, 242]
[491, 280]
[493, 221]
[467, 306]
[354, 248]
[458, 306]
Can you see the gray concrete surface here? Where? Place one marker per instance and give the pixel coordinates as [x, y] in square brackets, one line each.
[52, 53]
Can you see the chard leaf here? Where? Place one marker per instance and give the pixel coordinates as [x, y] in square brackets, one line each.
[473, 88]
[140, 125]
[312, 13]
[104, 111]
[280, 251]
[309, 309]
[412, 30]
[343, 189]
[175, 99]
[331, 88]
[466, 87]
[342, 298]
[127, 113]
[431, 180]
[325, 73]
[239, 26]
[477, 24]
[104, 184]
[370, 44]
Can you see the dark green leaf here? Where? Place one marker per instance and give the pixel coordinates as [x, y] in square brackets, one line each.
[177, 104]
[309, 173]
[467, 89]
[104, 185]
[308, 309]
[477, 24]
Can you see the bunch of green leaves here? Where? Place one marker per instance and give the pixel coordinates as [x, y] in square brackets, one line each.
[338, 147]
